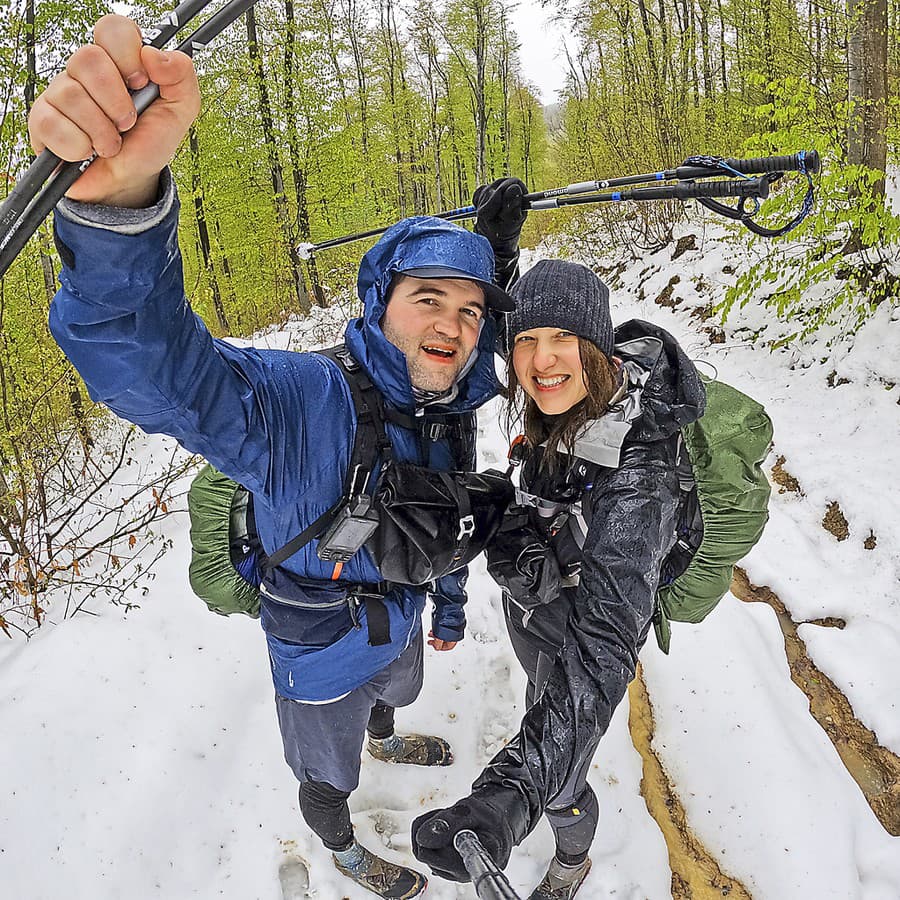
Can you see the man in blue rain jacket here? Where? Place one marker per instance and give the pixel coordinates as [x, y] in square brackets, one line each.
[281, 423]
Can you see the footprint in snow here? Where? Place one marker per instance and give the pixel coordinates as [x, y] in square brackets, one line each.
[293, 873]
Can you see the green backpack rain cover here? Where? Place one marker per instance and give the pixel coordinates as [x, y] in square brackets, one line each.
[727, 447]
[219, 541]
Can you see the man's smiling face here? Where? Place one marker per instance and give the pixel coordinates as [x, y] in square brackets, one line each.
[435, 323]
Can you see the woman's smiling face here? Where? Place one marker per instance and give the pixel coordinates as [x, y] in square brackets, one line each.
[547, 362]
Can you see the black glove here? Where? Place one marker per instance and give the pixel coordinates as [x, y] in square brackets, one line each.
[521, 562]
[433, 833]
[500, 218]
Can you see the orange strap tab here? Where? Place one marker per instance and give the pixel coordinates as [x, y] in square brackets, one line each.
[516, 448]
[338, 568]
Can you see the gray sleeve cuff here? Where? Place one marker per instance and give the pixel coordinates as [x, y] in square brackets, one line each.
[118, 218]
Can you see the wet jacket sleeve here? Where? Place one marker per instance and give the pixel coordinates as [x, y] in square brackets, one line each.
[631, 531]
[448, 618]
[123, 320]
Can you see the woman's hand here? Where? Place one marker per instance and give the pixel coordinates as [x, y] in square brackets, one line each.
[88, 109]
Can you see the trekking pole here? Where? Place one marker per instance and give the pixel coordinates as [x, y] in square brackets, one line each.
[42, 168]
[487, 879]
[695, 167]
[306, 250]
[32, 204]
[771, 168]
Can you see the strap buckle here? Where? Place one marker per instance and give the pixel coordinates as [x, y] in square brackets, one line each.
[434, 431]
[353, 604]
[466, 527]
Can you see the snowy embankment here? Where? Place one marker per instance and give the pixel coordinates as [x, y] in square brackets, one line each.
[140, 754]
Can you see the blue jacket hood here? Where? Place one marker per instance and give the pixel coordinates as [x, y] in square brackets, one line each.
[418, 242]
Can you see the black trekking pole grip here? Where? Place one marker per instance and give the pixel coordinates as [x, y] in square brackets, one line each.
[487, 879]
[691, 190]
[808, 160]
[703, 166]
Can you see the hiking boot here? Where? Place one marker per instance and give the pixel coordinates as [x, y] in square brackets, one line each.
[386, 879]
[561, 882]
[412, 750]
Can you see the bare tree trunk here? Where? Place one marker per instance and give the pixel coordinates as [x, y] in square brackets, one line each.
[504, 65]
[867, 88]
[281, 208]
[391, 58]
[328, 18]
[76, 401]
[298, 170]
[723, 68]
[226, 265]
[203, 231]
[351, 20]
[708, 84]
[427, 60]
[657, 78]
[479, 9]
[526, 111]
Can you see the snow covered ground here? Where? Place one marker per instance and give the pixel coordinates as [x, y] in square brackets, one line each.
[140, 756]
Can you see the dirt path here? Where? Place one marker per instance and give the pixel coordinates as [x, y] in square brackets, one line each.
[874, 768]
[695, 873]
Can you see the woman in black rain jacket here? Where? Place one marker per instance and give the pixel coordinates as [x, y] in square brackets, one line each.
[606, 514]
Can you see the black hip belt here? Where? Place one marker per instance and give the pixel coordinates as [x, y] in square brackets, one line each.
[369, 595]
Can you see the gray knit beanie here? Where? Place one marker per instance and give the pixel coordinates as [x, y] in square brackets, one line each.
[555, 293]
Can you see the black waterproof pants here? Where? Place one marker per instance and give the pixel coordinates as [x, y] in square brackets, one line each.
[536, 635]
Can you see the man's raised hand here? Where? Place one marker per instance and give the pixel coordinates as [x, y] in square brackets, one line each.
[87, 109]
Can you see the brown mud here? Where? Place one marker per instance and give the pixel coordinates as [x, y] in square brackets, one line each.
[873, 767]
[695, 873]
[785, 481]
[835, 521]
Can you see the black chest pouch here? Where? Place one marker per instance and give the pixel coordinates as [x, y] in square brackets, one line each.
[431, 523]
[417, 523]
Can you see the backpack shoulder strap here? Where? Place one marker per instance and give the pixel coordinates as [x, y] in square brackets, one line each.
[459, 429]
[371, 439]
[370, 443]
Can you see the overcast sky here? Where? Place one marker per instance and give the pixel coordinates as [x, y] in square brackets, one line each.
[541, 52]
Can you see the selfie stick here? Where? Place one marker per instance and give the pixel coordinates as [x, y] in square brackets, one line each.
[489, 882]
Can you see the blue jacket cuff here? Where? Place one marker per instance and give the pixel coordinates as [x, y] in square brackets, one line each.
[443, 633]
[114, 268]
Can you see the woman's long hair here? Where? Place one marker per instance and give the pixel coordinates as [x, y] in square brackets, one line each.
[601, 378]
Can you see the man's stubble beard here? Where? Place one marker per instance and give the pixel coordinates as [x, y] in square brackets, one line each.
[421, 376]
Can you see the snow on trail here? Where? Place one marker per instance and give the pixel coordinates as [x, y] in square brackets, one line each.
[140, 756]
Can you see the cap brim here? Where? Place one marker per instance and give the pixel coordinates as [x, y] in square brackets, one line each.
[494, 296]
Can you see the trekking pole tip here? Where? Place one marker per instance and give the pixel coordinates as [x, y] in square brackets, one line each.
[305, 251]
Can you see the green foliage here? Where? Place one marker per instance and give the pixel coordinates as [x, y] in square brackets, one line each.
[834, 270]
[373, 115]
[653, 83]
[385, 124]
